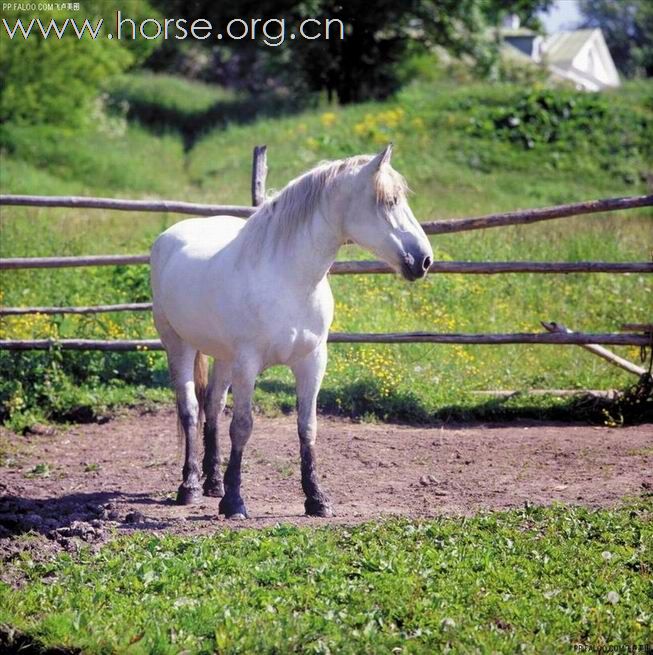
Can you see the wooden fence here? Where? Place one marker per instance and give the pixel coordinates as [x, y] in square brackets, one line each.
[641, 336]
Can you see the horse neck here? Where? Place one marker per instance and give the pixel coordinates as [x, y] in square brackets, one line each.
[310, 251]
[301, 256]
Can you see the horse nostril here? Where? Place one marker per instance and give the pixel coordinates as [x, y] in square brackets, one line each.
[426, 264]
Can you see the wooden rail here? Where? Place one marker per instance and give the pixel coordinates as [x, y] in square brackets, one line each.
[493, 268]
[66, 262]
[357, 267]
[93, 309]
[578, 338]
[259, 174]
[519, 217]
[525, 216]
[167, 206]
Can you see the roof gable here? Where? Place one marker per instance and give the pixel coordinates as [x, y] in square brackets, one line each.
[562, 47]
[581, 56]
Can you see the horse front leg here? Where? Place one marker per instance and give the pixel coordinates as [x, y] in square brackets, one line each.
[216, 399]
[181, 368]
[308, 376]
[240, 430]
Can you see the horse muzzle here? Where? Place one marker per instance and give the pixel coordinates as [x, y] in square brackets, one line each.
[416, 265]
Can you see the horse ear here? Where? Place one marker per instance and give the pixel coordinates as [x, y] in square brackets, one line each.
[382, 158]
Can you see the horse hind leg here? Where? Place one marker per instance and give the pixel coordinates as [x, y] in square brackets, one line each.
[182, 367]
[216, 399]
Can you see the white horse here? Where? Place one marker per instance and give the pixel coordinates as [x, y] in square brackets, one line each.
[253, 294]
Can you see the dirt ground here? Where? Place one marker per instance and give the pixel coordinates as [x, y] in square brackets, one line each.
[88, 482]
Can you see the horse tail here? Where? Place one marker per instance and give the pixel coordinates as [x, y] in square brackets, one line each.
[201, 375]
[201, 379]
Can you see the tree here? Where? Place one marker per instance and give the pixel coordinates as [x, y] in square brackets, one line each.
[628, 29]
[378, 36]
[527, 10]
[56, 81]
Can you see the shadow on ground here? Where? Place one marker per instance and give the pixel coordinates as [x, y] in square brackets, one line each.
[365, 399]
[193, 125]
[84, 515]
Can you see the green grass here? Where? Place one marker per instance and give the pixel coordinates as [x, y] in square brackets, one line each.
[452, 173]
[170, 104]
[538, 580]
[167, 93]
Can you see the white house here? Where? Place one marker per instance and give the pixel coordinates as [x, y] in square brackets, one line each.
[580, 56]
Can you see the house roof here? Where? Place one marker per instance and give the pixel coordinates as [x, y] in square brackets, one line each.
[507, 32]
[510, 52]
[561, 48]
[581, 56]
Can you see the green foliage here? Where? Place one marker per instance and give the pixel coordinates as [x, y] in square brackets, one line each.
[527, 10]
[525, 74]
[166, 93]
[75, 386]
[533, 581]
[57, 81]
[558, 123]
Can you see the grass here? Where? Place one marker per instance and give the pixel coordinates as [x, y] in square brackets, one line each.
[167, 103]
[452, 173]
[536, 580]
[165, 92]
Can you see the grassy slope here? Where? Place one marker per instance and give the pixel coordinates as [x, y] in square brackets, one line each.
[451, 173]
[531, 581]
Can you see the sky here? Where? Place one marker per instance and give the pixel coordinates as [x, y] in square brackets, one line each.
[563, 15]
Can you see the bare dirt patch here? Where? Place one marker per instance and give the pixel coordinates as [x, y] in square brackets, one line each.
[91, 481]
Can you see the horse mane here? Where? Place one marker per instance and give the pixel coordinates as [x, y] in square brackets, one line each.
[284, 213]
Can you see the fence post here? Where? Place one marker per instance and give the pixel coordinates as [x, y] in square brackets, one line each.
[259, 174]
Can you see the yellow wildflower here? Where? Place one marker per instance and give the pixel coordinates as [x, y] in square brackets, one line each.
[328, 119]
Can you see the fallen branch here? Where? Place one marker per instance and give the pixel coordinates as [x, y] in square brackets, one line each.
[604, 353]
[609, 394]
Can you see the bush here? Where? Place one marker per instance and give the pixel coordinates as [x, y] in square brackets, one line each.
[74, 386]
[570, 130]
[54, 80]
[562, 118]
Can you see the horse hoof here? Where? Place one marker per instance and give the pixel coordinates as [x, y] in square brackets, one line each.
[186, 496]
[232, 508]
[214, 489]
[237, 517]
[318, 508]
